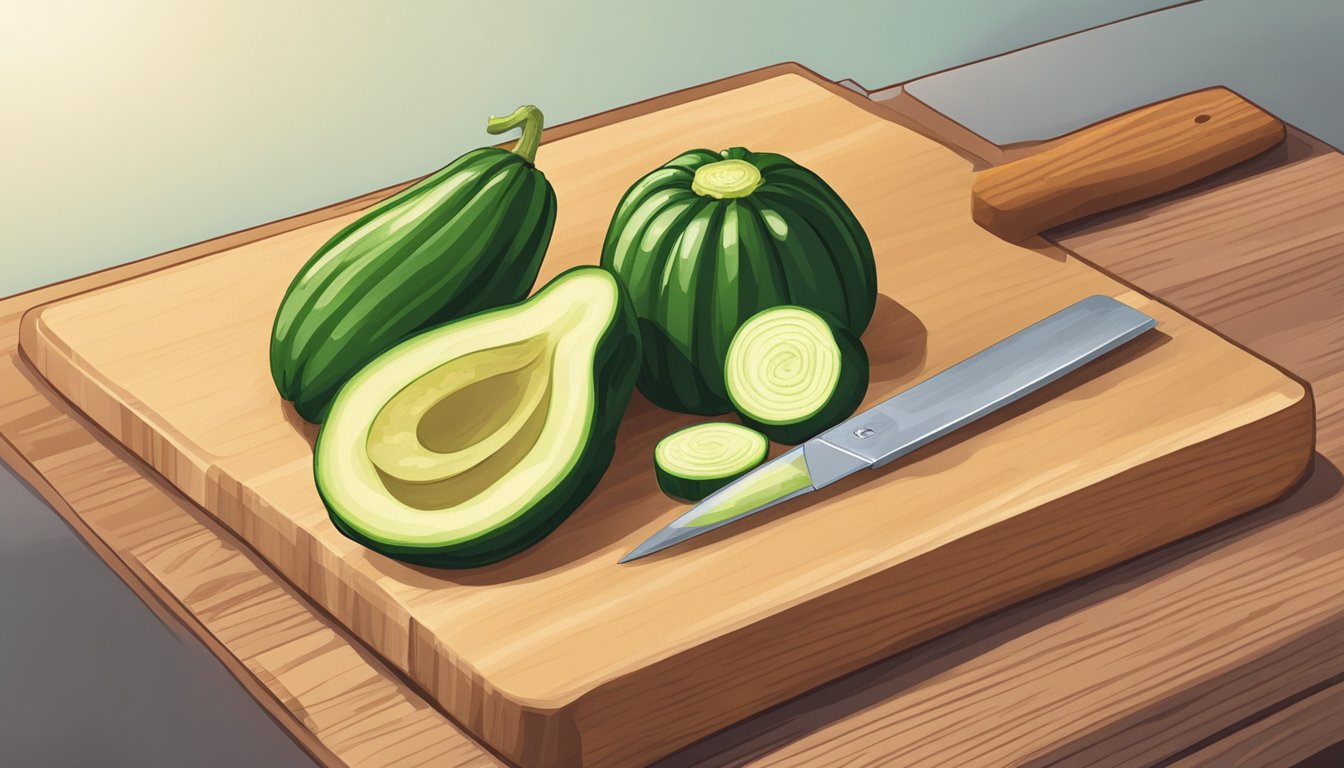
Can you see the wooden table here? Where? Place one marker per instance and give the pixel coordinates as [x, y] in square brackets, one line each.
[1223, 643]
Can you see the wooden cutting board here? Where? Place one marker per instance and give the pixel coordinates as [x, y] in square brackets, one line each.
[561, 657]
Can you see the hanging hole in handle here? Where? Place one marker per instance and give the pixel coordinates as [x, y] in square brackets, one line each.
[1202, 119]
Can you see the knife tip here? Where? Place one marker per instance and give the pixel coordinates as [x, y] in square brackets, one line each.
[657, 542]
[638, 552]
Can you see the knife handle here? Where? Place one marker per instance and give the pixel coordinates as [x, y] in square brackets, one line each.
[1119, 161]
[981, 384]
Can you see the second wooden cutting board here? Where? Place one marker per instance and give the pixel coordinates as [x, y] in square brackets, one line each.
[559, 656]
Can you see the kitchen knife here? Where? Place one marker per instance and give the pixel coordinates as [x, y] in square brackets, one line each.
[981, 384]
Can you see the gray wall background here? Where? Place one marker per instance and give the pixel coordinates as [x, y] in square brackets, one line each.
[136, 126]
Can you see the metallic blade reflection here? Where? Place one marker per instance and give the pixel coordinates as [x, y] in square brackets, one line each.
[775, 481]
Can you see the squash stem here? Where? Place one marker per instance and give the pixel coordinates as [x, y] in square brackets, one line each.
[529, 117]
[726, 179]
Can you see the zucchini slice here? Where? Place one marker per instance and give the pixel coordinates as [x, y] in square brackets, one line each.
[792, 373]
[694, 462]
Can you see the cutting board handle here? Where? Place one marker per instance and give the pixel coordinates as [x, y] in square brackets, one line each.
[1122, 160]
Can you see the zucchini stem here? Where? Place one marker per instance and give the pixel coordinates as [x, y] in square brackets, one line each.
[529, 117]
[726, 179]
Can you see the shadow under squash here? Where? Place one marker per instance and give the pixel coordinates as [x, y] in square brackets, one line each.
[896, 342]
[295, 421]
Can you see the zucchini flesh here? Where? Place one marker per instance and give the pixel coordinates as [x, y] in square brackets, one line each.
[792, 373]
[694, 462]
[425, 457]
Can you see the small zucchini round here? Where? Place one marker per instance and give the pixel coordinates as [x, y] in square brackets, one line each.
[792, 373]
[694, 462]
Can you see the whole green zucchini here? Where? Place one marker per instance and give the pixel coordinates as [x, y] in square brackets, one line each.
[464, 239]
[710, 239]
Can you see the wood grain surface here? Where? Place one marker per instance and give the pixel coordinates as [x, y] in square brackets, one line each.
[1122, 160]
[304, 668]
[558, 657]
[1172, 654]
[1283, 739]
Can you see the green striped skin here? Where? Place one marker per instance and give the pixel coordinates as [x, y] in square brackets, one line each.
[465, 239]
[697, 266]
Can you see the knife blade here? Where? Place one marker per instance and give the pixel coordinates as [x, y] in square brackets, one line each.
[979, 385]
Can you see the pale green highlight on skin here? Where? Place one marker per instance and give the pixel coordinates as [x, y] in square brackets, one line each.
[767, 484]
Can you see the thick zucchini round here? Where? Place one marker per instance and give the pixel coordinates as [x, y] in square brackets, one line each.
[694, 462]
[710, 239]
[792, 373]
[464, 239]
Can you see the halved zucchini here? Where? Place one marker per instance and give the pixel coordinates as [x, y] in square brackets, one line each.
[471, 441]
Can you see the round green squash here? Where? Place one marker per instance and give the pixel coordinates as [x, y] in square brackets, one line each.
[467, 238]
[710, 239]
